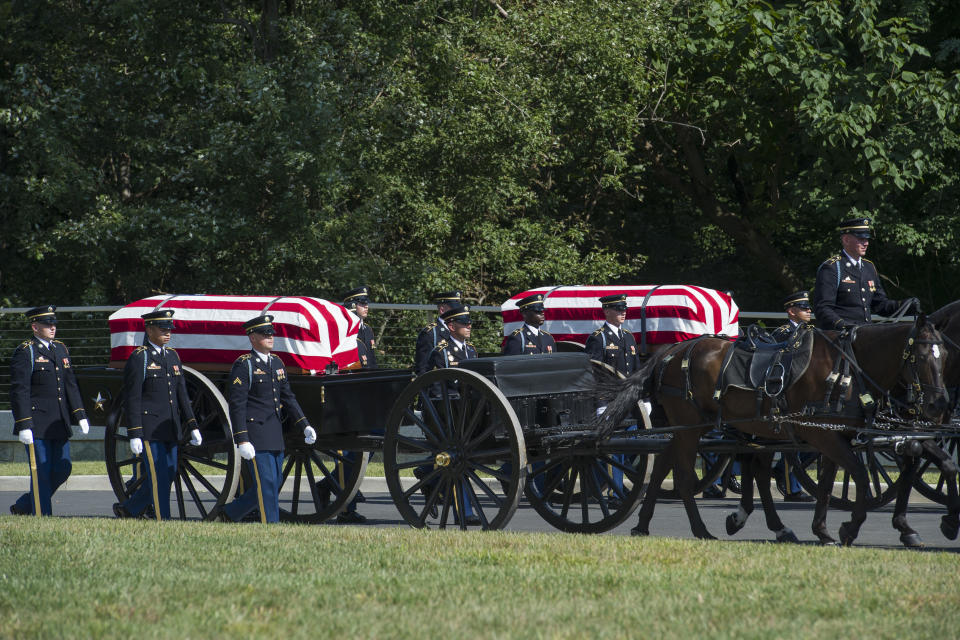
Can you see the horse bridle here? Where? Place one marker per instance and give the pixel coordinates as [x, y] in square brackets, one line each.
[915, 388]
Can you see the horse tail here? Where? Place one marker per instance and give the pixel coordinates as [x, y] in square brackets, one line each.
[622, 396]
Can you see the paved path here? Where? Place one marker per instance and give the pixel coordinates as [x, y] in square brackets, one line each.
[88, 499]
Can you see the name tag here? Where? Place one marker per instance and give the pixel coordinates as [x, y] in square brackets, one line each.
[612, 346]
[259, 372]
[41, 359]
[849, 280]
[154, 365]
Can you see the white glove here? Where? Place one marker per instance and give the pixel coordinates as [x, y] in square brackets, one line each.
[84, 425]
[195, 438]
[309, 435]
[136, 446]
[247, 452]
[26, 436]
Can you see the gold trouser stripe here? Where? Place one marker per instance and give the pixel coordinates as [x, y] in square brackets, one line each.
[340, 469]
[256, 475]
[33, 476]
[153, 478]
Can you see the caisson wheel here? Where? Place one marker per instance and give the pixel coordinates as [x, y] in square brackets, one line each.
[321, 481]
[454, 454]
[588, 487]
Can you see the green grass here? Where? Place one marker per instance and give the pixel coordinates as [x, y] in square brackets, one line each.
[66, 577]
[80, 468]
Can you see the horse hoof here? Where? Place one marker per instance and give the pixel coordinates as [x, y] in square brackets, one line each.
[949, 529]
[637, 531]
[827, 541]
[911, 540]
[787, 535]
[732, 525]
[846, 538]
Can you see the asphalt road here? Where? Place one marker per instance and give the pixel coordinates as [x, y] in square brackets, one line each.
[669, 519]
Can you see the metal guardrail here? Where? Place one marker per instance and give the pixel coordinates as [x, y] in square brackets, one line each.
[85, 332]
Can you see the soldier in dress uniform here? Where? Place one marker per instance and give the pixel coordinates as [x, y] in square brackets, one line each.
[450, 352]
[848, 288]
[358, 301]
[260, 395]
[433, 333]
[530, 338]
[611, 343]
[45, 399]
[797, 306]
[158, 413]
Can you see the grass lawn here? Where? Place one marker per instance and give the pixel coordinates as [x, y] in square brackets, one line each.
[75, 577]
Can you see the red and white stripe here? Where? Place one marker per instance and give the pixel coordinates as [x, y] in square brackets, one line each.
[674, 312]
[310, 332]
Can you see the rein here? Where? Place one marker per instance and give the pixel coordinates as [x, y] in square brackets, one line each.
[915, 391]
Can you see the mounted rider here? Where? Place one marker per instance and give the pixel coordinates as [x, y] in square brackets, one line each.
[848, 288]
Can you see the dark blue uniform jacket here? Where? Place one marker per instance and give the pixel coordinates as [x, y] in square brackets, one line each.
[260, 397]
[523, 341]
[621, 352]
[366, 347]
[155, 396]
[44, 395]
[846, 294]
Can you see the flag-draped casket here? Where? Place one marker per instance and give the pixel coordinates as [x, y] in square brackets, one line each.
[208, 330]
[657, 314]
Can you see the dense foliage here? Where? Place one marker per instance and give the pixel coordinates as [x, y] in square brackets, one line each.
[305, 146]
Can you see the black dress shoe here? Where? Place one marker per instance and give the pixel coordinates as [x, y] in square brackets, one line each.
[734, 485]
[781, 487]
[121, 511]
[713, 492]
[17, 511]
[351, 517]
[799, 496]
[359, 497]
[473, 521]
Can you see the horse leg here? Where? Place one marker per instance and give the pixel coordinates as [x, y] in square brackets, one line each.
[738, 518]
[763, 474]
[662, 463]
[908, 536]
[950, 523]
[850, 529]
[828, 473]
[685, 482]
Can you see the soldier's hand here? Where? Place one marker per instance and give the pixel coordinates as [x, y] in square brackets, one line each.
[136, 446]
[26, 436]
[309, 435]
[247, 452]
[84, 425]
[195, 438]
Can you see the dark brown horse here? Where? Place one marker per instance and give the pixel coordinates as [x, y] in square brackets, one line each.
[682, 380]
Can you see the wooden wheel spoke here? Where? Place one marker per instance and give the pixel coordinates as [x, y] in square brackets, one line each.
[484, 523]
[483, 485]
[423, 462]
[551, 486]
[627, 470]
[445, 511]
[431, 409]
[312, 483]
[178, 491]
[597, 490]
[484, 435]
[198, 503]
[287, 465]
[568, 492]
[601, 469]
[209, 462]
[478, 412]
[298, 474]
[496, 473]
[199, 476]
[419, 422]
[489, 454]
[417, 444]
[429, 503]
[420, 483]
[584, 484]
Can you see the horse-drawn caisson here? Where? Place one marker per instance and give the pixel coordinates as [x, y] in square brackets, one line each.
[474, 438]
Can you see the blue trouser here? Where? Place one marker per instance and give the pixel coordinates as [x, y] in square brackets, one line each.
[53, 469]
[270, 467]
[616, 475]
[165, 463]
